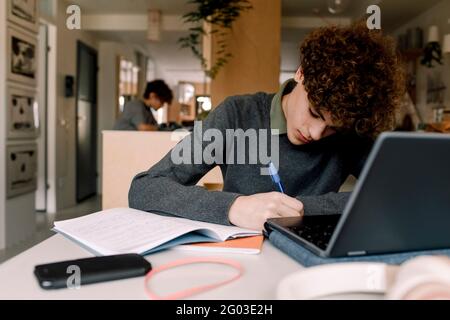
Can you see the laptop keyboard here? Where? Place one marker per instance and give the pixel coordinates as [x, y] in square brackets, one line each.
[317, 231]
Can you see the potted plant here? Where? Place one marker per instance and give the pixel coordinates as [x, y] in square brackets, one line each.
[219, 15]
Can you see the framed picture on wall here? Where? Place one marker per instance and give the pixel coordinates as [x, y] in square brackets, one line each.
[21, 166]
[22, 113]
[24, 13]
[21, 57]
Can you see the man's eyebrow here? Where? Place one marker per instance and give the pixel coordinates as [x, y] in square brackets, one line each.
[318, 112]
[321, 115]
[335, 128]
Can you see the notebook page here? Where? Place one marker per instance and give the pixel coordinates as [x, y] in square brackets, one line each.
[223, 232]
[123, 230]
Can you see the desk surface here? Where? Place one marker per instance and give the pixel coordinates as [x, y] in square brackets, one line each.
[262, 274]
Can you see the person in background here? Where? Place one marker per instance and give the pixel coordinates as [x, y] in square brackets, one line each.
[137, 114]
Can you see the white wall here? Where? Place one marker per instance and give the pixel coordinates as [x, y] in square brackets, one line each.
[108, 52]
[437, 15]
[48, 10]
[290, 58]
[66, 108]
[173, 77]
[2, 124]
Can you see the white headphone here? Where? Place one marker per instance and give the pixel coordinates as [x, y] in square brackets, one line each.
[424, 277]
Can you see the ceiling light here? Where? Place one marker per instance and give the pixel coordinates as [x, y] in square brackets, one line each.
[154, 25]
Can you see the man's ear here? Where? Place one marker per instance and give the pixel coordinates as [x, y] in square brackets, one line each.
[298, 75]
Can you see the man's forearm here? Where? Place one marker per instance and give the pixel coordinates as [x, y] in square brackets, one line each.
[166, 196]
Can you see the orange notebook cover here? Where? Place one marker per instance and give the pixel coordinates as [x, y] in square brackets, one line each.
[247, 245]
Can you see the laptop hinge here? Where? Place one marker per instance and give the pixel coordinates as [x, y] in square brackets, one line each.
[357, 253]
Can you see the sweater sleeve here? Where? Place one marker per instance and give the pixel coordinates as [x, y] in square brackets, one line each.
[356, 153]
[168, 188]
[330, 203]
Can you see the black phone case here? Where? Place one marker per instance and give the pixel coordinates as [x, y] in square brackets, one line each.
[91, 270]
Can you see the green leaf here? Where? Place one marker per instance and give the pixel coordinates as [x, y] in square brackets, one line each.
[221, 13]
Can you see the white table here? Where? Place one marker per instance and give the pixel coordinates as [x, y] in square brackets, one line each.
[262, 274]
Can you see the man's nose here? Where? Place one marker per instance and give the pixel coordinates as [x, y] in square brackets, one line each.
[317, 131]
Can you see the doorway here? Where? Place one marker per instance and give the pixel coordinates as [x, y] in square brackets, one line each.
[86, 129]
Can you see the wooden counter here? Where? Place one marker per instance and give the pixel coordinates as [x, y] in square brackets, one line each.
[127, 153]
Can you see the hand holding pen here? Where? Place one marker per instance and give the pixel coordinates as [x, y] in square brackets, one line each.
[253, 211]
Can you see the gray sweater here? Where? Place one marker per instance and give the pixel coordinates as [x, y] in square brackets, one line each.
[135, 112]
[312, 173]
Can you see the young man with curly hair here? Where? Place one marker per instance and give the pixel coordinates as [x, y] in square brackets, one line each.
[344, 94]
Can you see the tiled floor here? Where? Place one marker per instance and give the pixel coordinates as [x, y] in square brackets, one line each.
[44, 222]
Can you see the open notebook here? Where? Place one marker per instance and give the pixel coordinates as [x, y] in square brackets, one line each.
[125, 230]
[247, 245]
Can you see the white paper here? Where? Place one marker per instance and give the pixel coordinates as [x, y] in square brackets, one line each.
[125, 230]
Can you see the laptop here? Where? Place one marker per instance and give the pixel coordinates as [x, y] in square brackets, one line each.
[400, 203]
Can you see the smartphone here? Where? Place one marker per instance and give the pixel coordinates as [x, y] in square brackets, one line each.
[74, 273]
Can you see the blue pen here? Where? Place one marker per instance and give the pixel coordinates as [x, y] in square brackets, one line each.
[275, 177]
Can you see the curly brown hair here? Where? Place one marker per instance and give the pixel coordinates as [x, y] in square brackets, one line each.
[355, 74]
